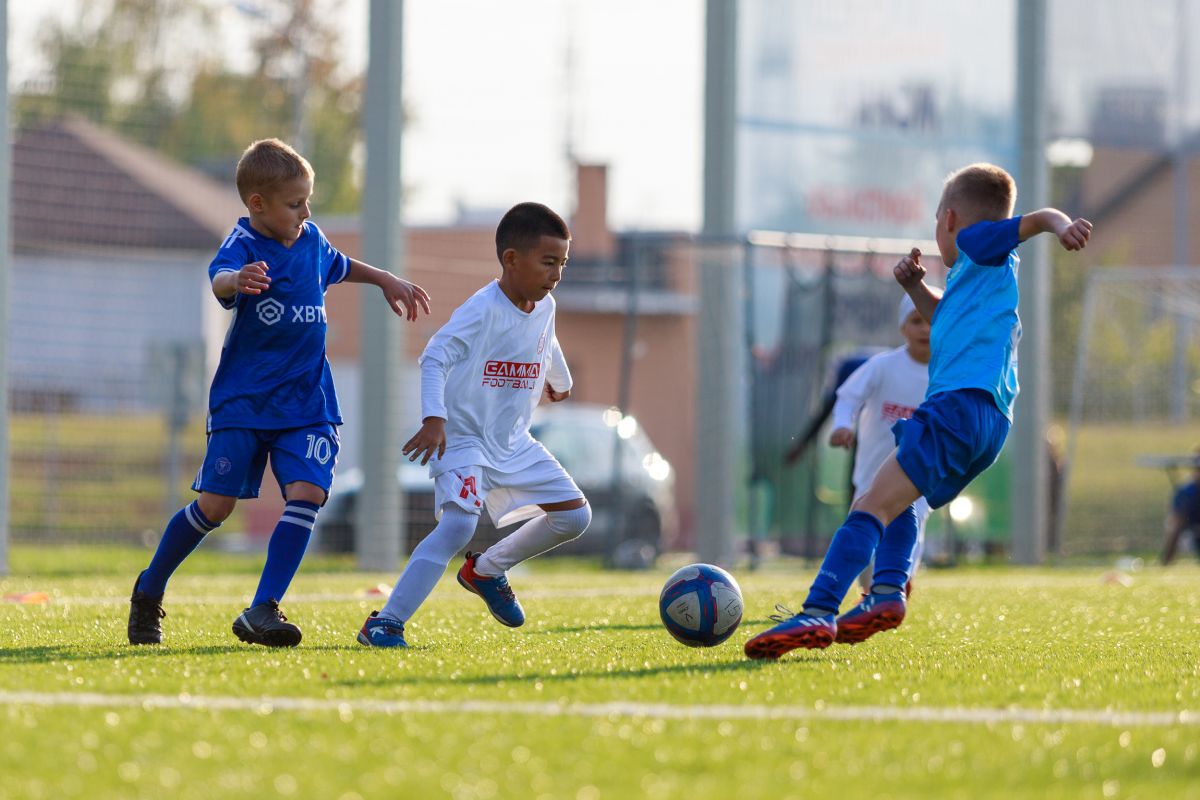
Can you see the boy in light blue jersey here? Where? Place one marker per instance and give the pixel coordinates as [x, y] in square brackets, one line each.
[272, 397]
[959, 429]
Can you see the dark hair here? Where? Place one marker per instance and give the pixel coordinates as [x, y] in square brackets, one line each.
[267, 163]
[525, 223]
[979, 192]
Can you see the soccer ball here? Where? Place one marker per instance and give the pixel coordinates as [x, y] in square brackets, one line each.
[701, 605]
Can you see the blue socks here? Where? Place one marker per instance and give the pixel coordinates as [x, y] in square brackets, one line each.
[288, 542]
[849, 553]
[184, 532]
[897, 551]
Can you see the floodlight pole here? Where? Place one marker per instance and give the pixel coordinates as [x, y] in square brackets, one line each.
[380, 515]
[5, 267]
[1030, 496]
[718, 327]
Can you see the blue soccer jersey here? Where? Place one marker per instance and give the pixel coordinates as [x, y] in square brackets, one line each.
[273, 372]
[975, 328]
[1186, 504]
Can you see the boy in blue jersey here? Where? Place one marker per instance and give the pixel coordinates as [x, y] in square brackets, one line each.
[959, 429]
[1184, 516]
[272, 396]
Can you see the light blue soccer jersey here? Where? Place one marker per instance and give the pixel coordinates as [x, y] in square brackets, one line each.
[273, 372]
[975, 328]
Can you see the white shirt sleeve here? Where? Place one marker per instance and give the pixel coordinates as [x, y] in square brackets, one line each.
[852, 395]
[559, 375]
[447, 347]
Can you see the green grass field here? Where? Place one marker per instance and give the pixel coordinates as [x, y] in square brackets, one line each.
[1002, 683]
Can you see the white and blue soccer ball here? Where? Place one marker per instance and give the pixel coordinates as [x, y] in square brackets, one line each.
[701, 605]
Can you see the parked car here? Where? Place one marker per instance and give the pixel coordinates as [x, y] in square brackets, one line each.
[583, 438]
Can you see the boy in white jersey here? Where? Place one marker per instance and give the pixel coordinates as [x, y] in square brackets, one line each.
[482, 375]
[959, 429]
[887, 387]
[272, 397]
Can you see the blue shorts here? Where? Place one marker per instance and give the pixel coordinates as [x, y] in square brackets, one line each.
[237, 458]
[952, 437]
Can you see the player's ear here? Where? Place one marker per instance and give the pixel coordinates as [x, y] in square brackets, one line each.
[255, 202]
[508, 258]
[951, 220]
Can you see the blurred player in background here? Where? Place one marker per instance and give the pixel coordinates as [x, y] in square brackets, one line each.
[1184, 515]
[272, 396]
[886, 388]
[958, 431]
[482, 375]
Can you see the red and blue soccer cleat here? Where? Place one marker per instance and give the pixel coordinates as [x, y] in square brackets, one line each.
[495, 591]
[380, 631]
[793, 631]
[873, 614]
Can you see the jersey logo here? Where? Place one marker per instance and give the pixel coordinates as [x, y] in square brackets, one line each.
[511, 374]
[269, 311]
[238, 232]
[896, 411]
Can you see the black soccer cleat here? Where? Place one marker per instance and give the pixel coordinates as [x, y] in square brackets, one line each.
[145, 616]
[265, 624]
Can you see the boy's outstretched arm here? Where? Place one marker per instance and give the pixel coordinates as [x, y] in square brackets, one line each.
[395, 290]
[910, 274]
[1072, 234]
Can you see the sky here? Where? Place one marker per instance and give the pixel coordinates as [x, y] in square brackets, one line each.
[493, 103]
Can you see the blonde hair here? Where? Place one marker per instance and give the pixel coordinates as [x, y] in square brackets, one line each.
[980, 192]
[267, 163]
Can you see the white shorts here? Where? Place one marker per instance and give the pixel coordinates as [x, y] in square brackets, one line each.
[508, 496]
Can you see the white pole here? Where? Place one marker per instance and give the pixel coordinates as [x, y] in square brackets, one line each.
[380, 515]
[5, 266]
[718, 328]
[1030, 470]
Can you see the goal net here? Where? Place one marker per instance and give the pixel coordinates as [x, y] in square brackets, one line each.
[1133, 410]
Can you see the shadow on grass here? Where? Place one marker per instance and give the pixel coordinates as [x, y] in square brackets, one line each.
[46, 654]
[751, 623]
[743, 665]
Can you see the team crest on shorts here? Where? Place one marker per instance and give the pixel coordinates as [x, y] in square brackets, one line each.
[223, 465]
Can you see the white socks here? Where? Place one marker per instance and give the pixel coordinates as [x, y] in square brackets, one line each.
[428, 562]
[534, 538]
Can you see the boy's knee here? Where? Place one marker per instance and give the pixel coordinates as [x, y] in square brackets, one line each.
[305, 492]
[216, 507]
[570, 523]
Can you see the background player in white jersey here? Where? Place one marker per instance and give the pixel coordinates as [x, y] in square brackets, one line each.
[272, 396]
[482, 375]
[887, 387]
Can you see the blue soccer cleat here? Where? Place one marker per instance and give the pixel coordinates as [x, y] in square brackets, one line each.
[874, 613]
[792, 632]
[380, 631]
[495, 592]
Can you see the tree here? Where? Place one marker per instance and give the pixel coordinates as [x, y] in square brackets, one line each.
[160, 72]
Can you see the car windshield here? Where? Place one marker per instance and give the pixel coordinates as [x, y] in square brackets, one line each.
[586, 450]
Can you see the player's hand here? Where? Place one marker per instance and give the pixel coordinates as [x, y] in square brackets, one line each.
[842, 437]
[556, 397]
[1075, 236]
[908, 271]
[253, 279]
[402, 294]
[430, 439]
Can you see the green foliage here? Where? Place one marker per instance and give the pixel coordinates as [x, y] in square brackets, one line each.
[153, 71]
[1042, 641]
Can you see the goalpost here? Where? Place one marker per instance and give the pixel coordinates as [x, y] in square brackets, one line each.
[1134, 408]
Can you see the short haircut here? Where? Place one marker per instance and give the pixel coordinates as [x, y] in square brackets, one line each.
[267, 163]
[524, 224]
[980, 192]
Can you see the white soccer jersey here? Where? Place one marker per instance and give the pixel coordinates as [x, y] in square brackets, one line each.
[484, 373]
[886, 388]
